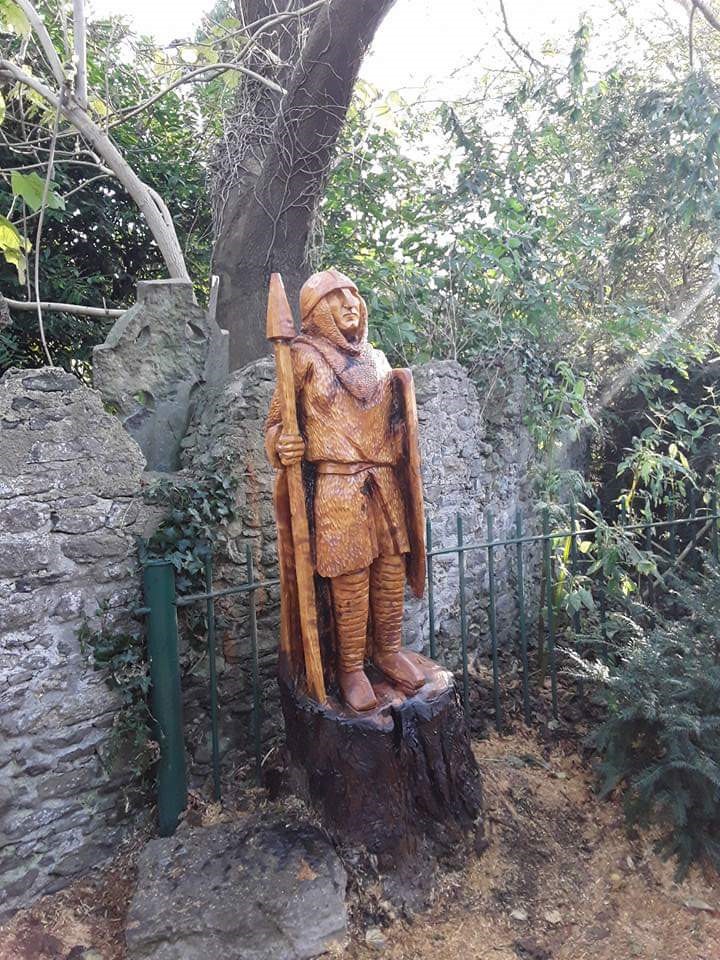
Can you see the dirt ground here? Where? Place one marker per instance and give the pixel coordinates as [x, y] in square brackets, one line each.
[560, 880]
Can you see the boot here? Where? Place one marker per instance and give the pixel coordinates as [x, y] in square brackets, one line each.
[387, 588]
[350, 603]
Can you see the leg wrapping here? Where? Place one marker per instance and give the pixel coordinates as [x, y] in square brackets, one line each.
[350, 593]
[387, 590]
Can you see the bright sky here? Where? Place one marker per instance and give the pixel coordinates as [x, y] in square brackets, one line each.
[420, 40]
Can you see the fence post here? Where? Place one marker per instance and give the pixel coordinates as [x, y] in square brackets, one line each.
[521, 608]
[463, 619]
[547, 556]
[165, 693]
[212, 673]
[492, 623]
[575, 570]
[431, 588]
[257, 706]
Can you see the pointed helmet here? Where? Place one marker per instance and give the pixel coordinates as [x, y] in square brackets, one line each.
[318, 286]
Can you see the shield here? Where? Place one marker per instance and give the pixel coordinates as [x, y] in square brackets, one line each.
[410, 479]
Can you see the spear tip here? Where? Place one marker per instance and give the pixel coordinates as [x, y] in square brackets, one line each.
[280, 324]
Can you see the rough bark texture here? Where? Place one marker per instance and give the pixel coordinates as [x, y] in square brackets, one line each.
[266, 229]
[401, 781]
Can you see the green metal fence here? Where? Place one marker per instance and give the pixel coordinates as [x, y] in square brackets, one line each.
[674, 539]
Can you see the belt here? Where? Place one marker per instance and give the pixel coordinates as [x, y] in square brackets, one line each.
[344, 469]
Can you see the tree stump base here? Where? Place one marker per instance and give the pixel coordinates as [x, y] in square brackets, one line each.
[400, 780]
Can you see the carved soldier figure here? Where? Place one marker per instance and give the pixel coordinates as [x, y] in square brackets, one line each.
[357, 437]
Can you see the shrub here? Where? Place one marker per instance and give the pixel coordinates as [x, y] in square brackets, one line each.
[660, 741]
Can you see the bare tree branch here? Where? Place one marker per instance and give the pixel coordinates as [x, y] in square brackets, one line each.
[79, 43]
[41, 220]
[262, 24]
[707, 12]
[44, 40]
[76, 309]
[216, 69]
[151, 205]
[705, 9]
[691, 21]
[521, 48]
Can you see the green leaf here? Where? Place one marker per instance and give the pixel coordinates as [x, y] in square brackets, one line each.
[99, 106]
[13, 247]
[12, 19]
[30, 187]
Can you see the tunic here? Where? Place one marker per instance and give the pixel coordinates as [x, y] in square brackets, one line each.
[359, 512]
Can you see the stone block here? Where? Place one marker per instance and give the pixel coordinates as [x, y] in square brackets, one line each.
[23, 516]
[156, 358]
[96, 546]
[252, 891]
[20, 557]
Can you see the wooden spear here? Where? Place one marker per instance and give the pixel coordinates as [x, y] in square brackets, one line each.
[281, 330]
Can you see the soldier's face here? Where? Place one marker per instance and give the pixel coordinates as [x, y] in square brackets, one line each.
[345, 308]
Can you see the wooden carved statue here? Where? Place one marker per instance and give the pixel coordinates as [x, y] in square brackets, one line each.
[354, 427]
[375, 736]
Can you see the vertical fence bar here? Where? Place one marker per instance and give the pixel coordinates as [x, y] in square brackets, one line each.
[575, 570]
[673, 532]
[603, 608]
[493, 625]
[165, 692]
[521, 612]
[714, 527]
[602, 599]
[463, 619]
[212, 674]
[431, 595]
[695, 526]
[574, 565]
[547, 542]
[648, 548]
[256, 710]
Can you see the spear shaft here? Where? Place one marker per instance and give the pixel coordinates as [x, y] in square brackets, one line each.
[281, 331]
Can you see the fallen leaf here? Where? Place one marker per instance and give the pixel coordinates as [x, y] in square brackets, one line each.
[305, 871]
[518, 915]
[694, 903]
[374, 938]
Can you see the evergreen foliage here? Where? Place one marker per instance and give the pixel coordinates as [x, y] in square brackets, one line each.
[660, 742]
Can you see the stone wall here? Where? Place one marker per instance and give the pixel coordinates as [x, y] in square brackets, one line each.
[476, 456]
[476, 459]
[157, 356]
[230, 422]
[69, 512]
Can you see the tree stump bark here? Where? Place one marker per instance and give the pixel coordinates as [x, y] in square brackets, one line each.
[400, 780]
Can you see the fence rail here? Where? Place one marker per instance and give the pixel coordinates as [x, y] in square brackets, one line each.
[161, 605]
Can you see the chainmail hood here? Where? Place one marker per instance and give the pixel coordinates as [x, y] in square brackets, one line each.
[360, 368]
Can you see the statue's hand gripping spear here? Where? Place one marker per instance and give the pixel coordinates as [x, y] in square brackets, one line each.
[281, 331]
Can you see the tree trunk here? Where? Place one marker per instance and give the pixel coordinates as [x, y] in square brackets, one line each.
[266, 225]
[400, 781]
